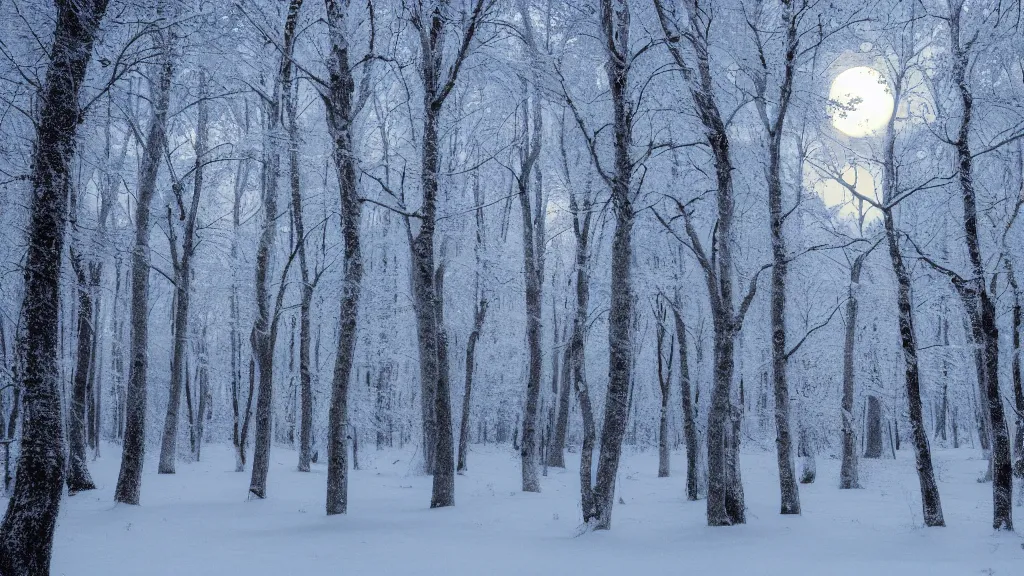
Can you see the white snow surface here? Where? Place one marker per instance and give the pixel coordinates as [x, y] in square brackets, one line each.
[199, 522]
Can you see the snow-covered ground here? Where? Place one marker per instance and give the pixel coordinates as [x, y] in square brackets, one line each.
[199, 522]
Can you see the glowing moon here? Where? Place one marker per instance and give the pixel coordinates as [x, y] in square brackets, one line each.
[862, 102]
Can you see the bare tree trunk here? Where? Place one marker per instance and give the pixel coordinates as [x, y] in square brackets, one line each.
[305, 304]
[556, 456]
[439, 457]
[1018, 389]
[26, 534]
[78, 478]
[981, 307]
[581, 214]
[264, 331]
[129, 480]
[665, 384]
[479, 313]
[848, 475]
[260, 338]
[341, 112]
[243, 433]
[873, 448]
[532, 255]
[689, 413]
[183, 283]
[117, 358]
[615, 23]
[237, 437]
[930, 502]
[203, 377]
[725, 490]
[478, 323]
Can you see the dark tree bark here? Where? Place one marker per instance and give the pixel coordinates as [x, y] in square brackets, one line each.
[725, 490]
[26, 534]
[665, 384]
[581, 230]
[1018, 388]
[930, 502]
[290, 95]
[556, 451]
[341, 112]
[615, 24]
[264, 333]
[239, 424]
[78, 478]
[689, 414]
[438, 450]
[203, 378]
[873, 439]
[977, 300]
[848, 475]
[532, 211]
[774, 125]
[479, 313]
[129, 480]
[581, 217]
[182, 263]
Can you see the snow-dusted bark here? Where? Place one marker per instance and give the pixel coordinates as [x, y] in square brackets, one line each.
[183, 276]
[26, 534]
[129, 481]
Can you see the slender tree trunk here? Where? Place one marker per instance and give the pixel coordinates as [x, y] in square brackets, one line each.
[930, 502]
[873, 440]
[263, 335]
[78, 478]
[478, 323]
[95, 383]
[1018, 388]
[129, 480]
[305, 304]
[260, 337]
[237, 437]
[183, 285]
[615, 23]
[438, 445]
[26, 534]
[977, 299]
[203, 377]
[664, 383]
[561, 428]
[689, 412]
[340, 115]
[725, 490]
[531, 272]
[848, 475]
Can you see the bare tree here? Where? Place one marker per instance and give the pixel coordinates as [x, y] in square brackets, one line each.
[26, 534]
[725, 491]
[433, 21]
[533, 214]
[263, 335]
[689, 410]
[973, 289]
[341, 113]
[129, 480]
[479, 314]
[182, 264]
[614, 27]
[664, 383]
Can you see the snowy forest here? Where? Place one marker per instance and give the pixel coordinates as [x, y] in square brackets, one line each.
[700, 263]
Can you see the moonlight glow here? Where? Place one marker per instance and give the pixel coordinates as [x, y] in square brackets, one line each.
[864, 102]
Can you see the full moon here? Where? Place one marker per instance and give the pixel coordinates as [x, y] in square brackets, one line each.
[862, 102]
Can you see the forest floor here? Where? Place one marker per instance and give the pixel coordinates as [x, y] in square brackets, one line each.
[198, 521]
